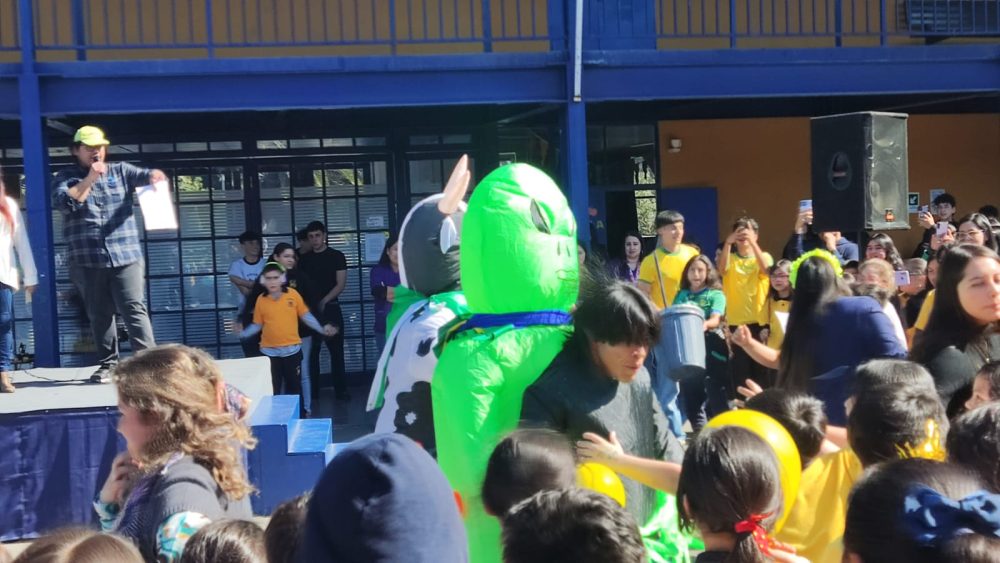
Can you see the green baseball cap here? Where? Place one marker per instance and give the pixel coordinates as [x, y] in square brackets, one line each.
[90, 136]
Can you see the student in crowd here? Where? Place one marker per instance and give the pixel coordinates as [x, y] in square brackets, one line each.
[398, 505]
[296, 279]
[976, 229]
[700, 286]
[286, 530]
[881, 247]
[182, 468]
[327, 268]
[598, 383]
[527, 461]
[946, 207]
[800, 414]
[914, 293]
[938, 253]
[626, 268]
[974, 442]
[383, 280]
[97, 201]
[276, 318]
[581, 254]
[961, 335]
[226, 541]
[805, 239]
[986, 386]
[877, 279]
[571, 525]
[921, 511]
[660, 271]
[660, 276]
[303, 246]
[13, 240]
[779, 304]
[827, 330]
[993, 216]
[892, 403]
[730, 492]
[79, 545]
[744, 268]
[243, 274]
[933, 267]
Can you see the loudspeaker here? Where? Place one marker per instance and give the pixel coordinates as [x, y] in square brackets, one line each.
[859, 172]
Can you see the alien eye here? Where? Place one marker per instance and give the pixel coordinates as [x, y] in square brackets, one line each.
[448, 236]
[539, 219]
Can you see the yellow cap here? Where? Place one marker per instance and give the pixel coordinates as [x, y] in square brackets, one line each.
[90, 136]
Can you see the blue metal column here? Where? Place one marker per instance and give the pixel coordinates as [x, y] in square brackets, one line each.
[573, 142]
[573, 122]
[36, 173]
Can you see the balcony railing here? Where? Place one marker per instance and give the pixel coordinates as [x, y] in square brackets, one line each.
[235, 27]
[157, 29]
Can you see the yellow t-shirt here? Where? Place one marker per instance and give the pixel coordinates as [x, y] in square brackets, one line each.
[815, 527]
[925, 311]
[671, 266]
[745, 286]
[777, 334]
[279, 319]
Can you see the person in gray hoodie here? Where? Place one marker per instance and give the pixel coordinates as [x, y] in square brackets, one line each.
[383, 499]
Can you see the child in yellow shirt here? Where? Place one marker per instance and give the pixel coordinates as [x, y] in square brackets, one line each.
[276, 317]
[779, 303]
[744, 268]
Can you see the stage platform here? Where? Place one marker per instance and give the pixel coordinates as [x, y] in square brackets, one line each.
[45, 389]
[58, 437]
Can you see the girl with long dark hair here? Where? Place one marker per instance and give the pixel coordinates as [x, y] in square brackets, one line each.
[976, 229]
[383, 280]
[626, 268]
[880, 246]
[828, 334]
[962, 332]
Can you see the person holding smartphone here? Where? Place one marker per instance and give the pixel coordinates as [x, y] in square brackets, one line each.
[946, 207]
[805, 238]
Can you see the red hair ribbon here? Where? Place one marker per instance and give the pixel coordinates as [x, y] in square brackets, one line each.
[752, 526]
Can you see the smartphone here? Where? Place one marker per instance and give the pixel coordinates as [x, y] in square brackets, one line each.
[924, 209]
[902, 278]
[805, 205]
[942, 228]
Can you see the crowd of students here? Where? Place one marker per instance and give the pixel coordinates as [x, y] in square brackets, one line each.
[889, 390]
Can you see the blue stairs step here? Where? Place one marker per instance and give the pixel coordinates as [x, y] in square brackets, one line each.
[290, 454]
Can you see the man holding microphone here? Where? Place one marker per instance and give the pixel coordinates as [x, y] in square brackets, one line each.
[97, 200]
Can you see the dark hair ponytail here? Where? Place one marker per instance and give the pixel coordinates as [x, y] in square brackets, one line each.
[730, 484]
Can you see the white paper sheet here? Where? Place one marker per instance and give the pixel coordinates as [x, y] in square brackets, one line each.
[157, 208]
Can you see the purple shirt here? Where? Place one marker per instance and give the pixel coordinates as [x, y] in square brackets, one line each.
[382, 278]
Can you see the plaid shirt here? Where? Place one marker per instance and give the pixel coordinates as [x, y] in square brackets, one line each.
[101, 230]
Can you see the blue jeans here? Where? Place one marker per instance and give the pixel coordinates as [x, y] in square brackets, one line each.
[6, 328]
[666, 390]
[307, 342]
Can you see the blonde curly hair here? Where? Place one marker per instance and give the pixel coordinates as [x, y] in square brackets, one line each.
[175, 388]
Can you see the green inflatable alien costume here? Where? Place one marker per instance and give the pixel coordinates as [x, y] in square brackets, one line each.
[520, 276]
